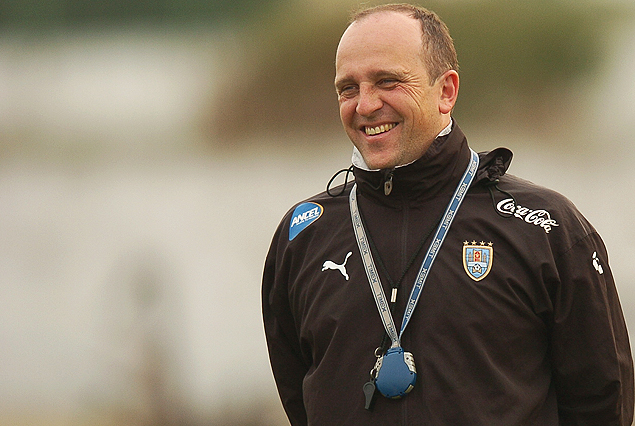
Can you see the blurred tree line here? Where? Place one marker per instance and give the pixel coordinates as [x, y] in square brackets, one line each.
[521, 61]
[69, 14]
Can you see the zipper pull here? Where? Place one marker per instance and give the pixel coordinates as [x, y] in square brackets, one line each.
[388, 184]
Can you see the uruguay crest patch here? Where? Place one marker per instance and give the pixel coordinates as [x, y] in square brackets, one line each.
[477, 259]
[304, 215]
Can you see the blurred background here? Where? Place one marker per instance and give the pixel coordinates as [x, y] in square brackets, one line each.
[148, 150]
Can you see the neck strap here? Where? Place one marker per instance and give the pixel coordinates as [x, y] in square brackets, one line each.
[369, 263]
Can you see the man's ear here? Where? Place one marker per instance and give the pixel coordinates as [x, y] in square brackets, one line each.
[449, 86]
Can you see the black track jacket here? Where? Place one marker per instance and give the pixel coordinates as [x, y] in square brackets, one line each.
[518, 323]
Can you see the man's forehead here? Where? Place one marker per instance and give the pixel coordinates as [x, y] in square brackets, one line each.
[391, 38]
[382, 26]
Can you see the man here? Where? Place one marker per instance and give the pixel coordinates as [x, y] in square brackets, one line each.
[492, 305]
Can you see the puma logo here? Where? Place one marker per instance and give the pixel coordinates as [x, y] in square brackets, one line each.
[334, 266]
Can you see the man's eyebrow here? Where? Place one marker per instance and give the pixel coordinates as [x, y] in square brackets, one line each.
[375, 75]
[399, 74]
[340, 82]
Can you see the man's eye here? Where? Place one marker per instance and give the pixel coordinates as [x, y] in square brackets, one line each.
[388, 82]
[346, 90]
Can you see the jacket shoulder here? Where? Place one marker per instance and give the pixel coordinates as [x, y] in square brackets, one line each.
[544, 207]
[317, 211]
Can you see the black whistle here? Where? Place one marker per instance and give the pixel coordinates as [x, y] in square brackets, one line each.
[369, 393]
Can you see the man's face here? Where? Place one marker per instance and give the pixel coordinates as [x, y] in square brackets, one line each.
[388, 107]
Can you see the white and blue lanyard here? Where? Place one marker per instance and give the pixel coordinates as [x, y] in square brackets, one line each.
[369, 264]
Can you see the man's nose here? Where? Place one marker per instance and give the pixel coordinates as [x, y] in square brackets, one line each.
[368, 101]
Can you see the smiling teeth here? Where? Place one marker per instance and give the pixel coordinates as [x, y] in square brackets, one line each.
[379, 129]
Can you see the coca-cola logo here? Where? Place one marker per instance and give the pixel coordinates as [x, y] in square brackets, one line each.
[539, 217]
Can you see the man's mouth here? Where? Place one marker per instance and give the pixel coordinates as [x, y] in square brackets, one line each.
[370, 131]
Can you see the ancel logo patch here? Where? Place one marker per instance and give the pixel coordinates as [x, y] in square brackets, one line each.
[304, 215]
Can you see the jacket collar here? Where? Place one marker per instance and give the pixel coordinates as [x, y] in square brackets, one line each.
[437, 171]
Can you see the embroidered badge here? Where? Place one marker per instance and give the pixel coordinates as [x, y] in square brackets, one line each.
[304, 215]
[477, 259]
[329, 264]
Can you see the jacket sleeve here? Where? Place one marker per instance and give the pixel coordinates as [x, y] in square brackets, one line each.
[591, 355]
[287, 363]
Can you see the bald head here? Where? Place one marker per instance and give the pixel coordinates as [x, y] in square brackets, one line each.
[379, 35]
[437, 50]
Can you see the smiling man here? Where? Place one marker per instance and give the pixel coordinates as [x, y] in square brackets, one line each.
[391, 107]
[437, 289]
